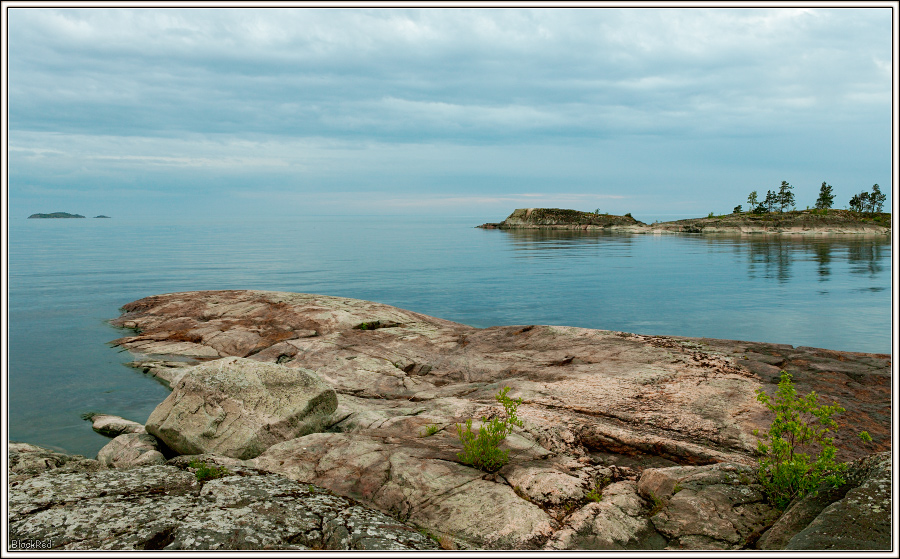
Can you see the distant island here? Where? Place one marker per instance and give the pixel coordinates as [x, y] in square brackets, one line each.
[54, 215]
[811, 221]
[555, 218]
[101, 217]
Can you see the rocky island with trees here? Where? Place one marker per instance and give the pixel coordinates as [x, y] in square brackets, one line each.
[774, 214]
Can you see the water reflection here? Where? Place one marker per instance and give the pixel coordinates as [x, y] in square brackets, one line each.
[867, 258]
[566, 243]
[766, 257]
[773, 257]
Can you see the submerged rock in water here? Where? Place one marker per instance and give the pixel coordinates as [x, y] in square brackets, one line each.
[112, 426]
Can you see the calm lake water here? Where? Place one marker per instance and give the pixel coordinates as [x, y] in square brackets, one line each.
[68, 277]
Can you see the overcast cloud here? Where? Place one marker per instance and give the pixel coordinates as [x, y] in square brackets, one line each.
[652, 111]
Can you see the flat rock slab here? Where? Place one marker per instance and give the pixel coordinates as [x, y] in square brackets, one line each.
[417, 482]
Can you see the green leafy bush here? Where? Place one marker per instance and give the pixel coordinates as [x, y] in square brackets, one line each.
[482, 450]
[788, 465]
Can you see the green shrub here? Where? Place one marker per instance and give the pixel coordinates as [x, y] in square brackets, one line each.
[431, 429]
[788, 465]
[483, 450]
[206, 472]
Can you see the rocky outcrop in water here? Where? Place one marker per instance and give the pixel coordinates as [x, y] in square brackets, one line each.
[801, 222]
[555, 218]
[628, 441]
[55, 215]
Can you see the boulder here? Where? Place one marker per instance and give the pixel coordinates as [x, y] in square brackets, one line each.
[855, 516]
[131, 450]
[112, 426]
[239, 407]
[718, 506]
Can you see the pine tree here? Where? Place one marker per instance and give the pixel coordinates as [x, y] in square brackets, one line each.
[826, 198]
[785, 197]
[877, 199]
[771, 201]
[752, 200]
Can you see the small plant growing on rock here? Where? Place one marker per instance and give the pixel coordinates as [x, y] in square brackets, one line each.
[483, 450]
[595, 494]
[206, 472]
[787, 469]
[656, 505]
[431, 429]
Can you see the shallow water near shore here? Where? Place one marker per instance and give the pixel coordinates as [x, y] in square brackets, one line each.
[68, 277]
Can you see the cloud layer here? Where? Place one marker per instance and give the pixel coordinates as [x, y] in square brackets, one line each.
[641, 108]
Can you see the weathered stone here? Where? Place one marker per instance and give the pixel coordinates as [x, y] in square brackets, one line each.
[168, 373]
[131, 450]
[617, 521]
[414, 482]
[707, 507]
[233, 342]
[861, 519]
[543, 484]
[27, 460]
[112, 426]
[239, 407]
[162, 507]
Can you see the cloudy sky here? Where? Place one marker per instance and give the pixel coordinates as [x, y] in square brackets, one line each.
[664, 113]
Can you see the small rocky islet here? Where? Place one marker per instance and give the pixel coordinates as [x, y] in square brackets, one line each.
[797, 222]
[63, 215]
[330, 423]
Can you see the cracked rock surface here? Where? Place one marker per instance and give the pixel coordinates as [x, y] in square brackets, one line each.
[164, 507]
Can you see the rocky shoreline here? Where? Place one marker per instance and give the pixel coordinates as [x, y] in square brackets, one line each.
[335, 423]
[805, 222]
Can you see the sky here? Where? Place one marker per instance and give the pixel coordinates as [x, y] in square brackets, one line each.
[664, 113]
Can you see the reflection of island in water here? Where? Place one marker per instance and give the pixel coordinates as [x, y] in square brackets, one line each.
[569, 241]
[773, 257]
[767, 256]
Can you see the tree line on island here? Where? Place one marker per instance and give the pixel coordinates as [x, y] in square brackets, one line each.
[783, 200]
